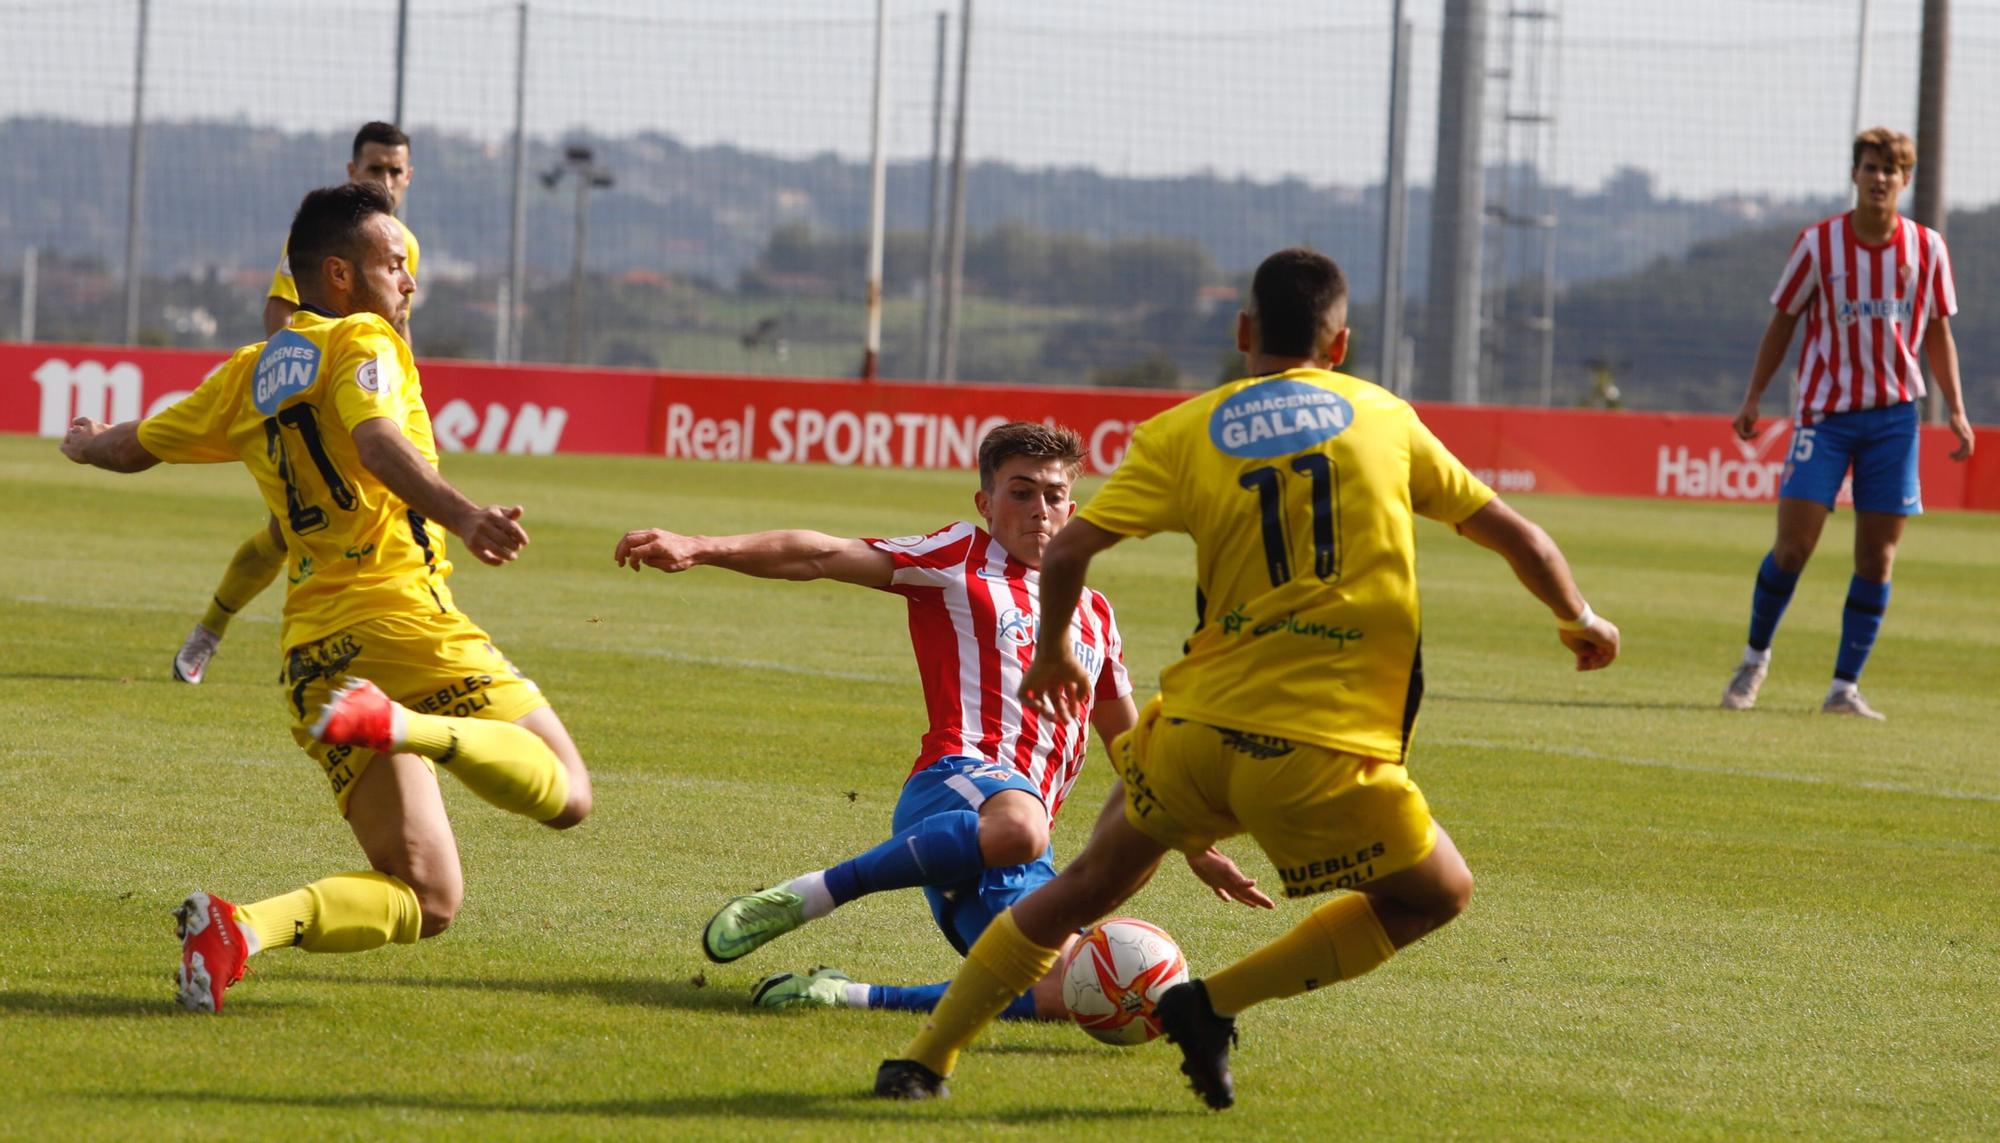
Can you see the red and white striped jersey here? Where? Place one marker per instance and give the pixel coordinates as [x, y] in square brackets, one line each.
[974, 616]
[1869, 308]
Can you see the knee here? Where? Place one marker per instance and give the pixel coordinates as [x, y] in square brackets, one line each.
[573, 811]
[1012, 839]
[1791, 554]
[1875, 564]
[438, 905]
[1455, 896]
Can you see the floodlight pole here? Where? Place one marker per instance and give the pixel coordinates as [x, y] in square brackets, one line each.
[1928, 205]
[578, 163]
[402, 55]
[136, 195]
[1394, 202]
[877, 193]
[517, 270]
[933, 246]
[948, 358]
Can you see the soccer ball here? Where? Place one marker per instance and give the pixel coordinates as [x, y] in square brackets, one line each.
[1113, 976]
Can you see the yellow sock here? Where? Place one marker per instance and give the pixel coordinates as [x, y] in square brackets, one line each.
[256, 563]
[348, 912]
[1003, 964]
[507, 765]
[1340, 940]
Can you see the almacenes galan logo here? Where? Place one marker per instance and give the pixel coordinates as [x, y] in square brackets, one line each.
[1277, 418]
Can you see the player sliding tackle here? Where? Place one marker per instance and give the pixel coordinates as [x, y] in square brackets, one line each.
[971, 827]
[329, 417]
[1289, 715]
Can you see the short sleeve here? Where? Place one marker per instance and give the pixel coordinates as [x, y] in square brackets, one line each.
[283, 286]
[1800, 279]
[927, 561]
[1114, 681]
[1142, 497]
[1441, 488]
[195, 429]
[1944, 291]
[366, 377]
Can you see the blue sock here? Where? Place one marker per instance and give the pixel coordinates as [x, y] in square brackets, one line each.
[925, 997]
[1767, 602]
[942, 849]
[1859, 621]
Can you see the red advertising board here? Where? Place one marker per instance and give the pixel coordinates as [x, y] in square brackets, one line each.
[543, 409]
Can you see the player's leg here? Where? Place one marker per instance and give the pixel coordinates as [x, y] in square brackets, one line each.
[1817, 463]
[465, 707]
[953, 820]
[257, 562]
[1165, 806]
[1017, 950]
[1886, 495]
[963, 912]
[393, 806]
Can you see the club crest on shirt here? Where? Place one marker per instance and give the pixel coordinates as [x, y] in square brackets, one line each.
[1277, 418]
[287, 367]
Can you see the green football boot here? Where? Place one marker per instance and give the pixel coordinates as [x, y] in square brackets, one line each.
[821, 988]
[750, 922]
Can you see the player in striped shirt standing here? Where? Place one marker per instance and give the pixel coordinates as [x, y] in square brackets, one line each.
[971, 826]
[1874, 288]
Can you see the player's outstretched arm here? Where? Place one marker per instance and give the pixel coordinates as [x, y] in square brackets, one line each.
[493, 533]
[114, 448]
[1941, 349]
[1541, 568]
[794, 554]
[1770, 355]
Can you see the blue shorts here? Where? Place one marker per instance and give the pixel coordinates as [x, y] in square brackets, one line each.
[963, 911]
[1880, 445]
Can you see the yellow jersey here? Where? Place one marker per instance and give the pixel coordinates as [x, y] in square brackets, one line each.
[1299, 489]
[287, 408]
[283, 285]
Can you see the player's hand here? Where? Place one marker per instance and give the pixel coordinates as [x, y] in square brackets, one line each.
[1745, 423]
[1595, 646]
[1962, 429]
[1219, 873]
[494, 534]
[1056, 686]
[76, 442]
[658, 548]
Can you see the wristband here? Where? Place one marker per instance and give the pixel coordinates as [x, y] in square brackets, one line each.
[1581, 623]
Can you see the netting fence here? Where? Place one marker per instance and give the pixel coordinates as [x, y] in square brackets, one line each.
[1127, 164]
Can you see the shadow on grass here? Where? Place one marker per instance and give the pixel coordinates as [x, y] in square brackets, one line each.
[101, 1005]
[111, 680]
[649, 992]
[780, 1105]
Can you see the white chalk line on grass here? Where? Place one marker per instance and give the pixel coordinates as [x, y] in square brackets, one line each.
[1728, 771]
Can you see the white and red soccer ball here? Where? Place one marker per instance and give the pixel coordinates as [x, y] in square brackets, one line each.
[1114, 975]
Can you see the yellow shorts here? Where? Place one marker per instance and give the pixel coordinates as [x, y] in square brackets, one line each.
[1327, 819]
[433, 664]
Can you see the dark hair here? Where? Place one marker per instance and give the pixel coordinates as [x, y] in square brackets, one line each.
[1894, 146]
[1294, 297]
[328, 225]
[387, 134]
[1032, 440]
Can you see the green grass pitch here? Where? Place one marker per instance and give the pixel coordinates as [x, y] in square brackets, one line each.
[1689, 924]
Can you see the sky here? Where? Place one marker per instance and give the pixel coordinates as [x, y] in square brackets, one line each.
[1706, 96]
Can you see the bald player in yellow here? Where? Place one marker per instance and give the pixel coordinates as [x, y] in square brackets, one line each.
[1289, 715]
[381, 156]
[328, 415]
